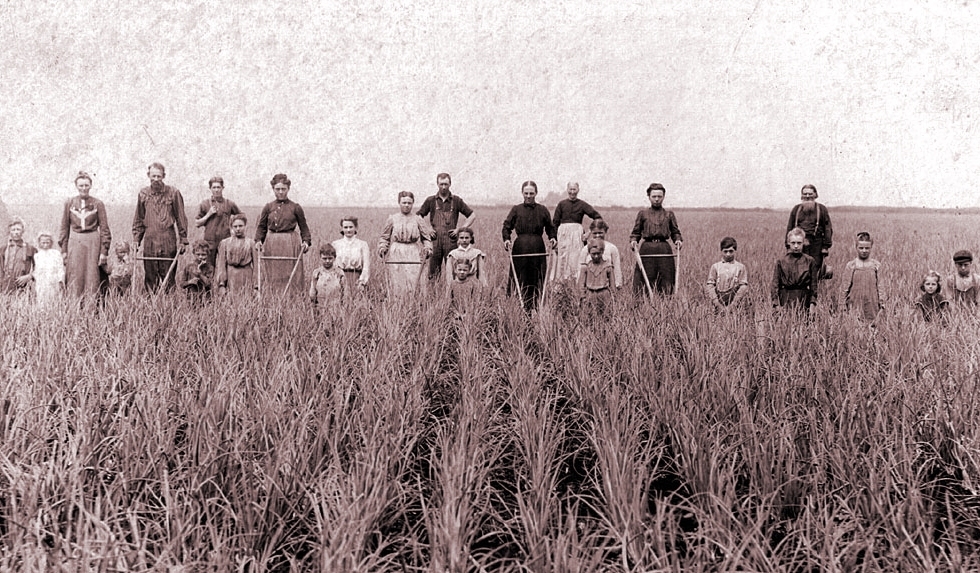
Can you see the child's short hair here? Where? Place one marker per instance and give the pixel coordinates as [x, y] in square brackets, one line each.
[596, 246]
[864, 237]
[463, 262]
[598, 225]
[729, 243]
[470, 231]
[796, 232]
[962, 256]
[123, 246]
[326, 249]
[44, 234]
[15, 221]
[201, 247]
[239, 217]
[931, 275]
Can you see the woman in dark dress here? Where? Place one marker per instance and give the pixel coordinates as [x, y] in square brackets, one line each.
[529, 256]
[278, 243]
[651, 231]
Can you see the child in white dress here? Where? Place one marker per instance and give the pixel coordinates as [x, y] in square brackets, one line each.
[49, 271]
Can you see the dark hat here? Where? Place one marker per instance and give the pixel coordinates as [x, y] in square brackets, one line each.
[963, 256]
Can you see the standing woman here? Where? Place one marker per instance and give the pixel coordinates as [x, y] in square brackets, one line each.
[651, 231]
[529, 259]
[84, 239]
[353, 255]
[405, 244]
[280, 249]
[814, 219]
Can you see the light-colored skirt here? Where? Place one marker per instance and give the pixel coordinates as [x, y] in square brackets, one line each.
[404, 266]
[276, 272]
[568, 249]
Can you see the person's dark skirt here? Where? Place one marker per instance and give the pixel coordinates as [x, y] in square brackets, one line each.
[530, 270]
[660, 269]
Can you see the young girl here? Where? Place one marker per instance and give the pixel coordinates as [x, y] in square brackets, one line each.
[353, 255]
[16, 260]
[120, 270]
[794, 280]
[862, 286]
[234, 270]
[463, 284]
[49, 271]
[728, 281]
[964, 286]
[932, 304]
[465, 250]
[327, 282]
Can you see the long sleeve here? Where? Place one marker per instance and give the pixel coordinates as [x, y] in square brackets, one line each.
[792, 219]
[65, 231]
[774, 286]
[384, 241]
[180, 217]
[262, 227]
[590, 211]
[426, 232]
[814, 279]
[616, 264]
[549, 226]
[559, 213]
[304, 229]
[105, 233]
[139, 221]
[828, 227]
[509, 222]
[848, 283]
[743, 284]
[365, 263]
[637, 231]
[675, 231]
[221, 265]
[711, 286]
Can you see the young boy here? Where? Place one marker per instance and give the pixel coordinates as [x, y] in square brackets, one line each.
[327, 281]
[120, 270]
[598, 230]
[597, 276]
[728, 281]
[196, 277]
[16, 260]
[795, 278]
[964, 286]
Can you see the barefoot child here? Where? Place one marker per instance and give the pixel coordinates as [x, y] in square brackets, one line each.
[964, 286]
[728, 281]
[234, 270]
[120, 269]
[862, 285]
[327, 283]
[16, 260]
[795, 278]
[932, 304]
[466, 251]
[197, 276]
[49, 271]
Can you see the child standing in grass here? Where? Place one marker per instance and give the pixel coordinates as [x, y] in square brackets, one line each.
[327, 282]
[49, 271]
[728, 281]
[464, 283]
[932, 304]
[862, 285]
[197, 276]
[120, 270]
[16, 260]
[234, 268]
[596, 277]
[465, 250]
[795, 278]
[964, 286]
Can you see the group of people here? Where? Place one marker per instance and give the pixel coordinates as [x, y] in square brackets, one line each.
[542, 247]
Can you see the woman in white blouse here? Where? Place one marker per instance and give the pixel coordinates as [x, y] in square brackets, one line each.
[353, 255]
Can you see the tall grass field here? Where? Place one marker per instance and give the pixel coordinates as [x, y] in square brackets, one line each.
[420, 435]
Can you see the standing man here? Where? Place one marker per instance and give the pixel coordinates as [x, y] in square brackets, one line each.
[571, 236]
[814, 219]
[215, 216]
[443, 210]
[158, 222]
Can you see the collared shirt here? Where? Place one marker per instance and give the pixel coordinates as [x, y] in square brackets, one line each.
[610, 252]
[219, 225]
[85, 216]
[655, 224]
[444, 213]
[573, 211]
[596, 276]
[282, 217]
[532, 219]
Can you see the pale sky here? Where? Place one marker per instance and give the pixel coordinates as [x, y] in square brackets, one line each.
[734, 104]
